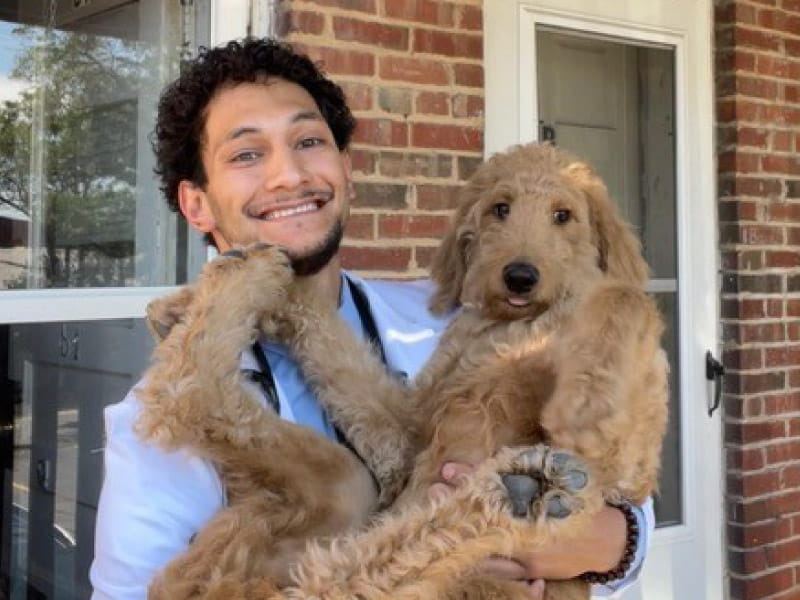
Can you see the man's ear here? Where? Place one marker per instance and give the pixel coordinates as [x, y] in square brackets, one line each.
[195, 207]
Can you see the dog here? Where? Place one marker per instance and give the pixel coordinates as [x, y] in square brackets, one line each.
[550, 372]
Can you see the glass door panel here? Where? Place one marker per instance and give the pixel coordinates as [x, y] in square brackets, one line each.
[56, 379]
[612, 102]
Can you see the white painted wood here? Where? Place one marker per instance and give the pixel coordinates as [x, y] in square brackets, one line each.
[685, 562]
[230, 20]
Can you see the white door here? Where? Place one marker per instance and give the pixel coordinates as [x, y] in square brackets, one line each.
[628, 85]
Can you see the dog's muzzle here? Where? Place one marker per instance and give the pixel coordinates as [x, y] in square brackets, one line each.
[520, 277]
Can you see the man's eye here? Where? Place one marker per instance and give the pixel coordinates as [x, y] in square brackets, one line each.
[310, 142]
[501, 210]
[246, 156]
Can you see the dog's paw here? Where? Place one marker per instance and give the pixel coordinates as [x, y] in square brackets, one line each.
[164, 313]
[541, 482]
[258, 275]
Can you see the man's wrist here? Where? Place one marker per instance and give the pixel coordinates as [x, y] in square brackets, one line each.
[626, 557]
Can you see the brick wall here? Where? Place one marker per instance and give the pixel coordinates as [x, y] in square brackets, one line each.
[758, 89]
[413, 73]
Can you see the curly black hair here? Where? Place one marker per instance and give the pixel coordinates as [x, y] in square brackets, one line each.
[178, 135]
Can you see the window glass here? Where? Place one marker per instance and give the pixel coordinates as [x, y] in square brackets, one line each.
[79, 204]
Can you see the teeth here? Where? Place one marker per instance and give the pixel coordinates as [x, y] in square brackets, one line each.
[288, 212]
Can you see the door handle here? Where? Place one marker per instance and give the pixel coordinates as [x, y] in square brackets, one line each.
[714, 372]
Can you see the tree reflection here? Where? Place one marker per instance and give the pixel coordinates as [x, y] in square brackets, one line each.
[68, 158]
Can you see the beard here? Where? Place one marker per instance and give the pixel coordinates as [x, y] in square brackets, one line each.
[312, 261]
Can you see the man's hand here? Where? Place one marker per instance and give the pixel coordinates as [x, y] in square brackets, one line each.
[599, 548]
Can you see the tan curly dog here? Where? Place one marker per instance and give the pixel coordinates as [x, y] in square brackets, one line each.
[551, 369]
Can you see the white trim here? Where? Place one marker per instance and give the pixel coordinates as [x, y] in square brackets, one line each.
[230, 20]
[85, 304]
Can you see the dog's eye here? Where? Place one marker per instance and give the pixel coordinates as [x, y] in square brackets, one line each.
[561, 216]
[501, 210]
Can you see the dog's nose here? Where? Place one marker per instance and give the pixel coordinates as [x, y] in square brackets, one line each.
[520, 277]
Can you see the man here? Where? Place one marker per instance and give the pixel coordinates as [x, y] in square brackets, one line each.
[251, 143]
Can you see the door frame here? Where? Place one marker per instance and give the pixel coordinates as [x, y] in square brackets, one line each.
[512, 117]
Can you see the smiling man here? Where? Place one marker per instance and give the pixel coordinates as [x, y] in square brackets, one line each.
[251, 146]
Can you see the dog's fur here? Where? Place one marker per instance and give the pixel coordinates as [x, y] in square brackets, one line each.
[572, 364]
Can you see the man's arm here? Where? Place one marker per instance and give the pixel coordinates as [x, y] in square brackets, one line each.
[151, 504]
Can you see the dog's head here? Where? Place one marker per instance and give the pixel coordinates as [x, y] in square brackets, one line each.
[534, 225]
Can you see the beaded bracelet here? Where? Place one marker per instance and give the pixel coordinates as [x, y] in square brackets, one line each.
[631, 541]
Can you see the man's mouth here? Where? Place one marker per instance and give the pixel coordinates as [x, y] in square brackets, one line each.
[281, 213]
[285, 209]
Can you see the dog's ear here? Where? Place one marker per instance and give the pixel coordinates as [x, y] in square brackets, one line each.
[449, 264]
[619, 250]
[164, 313]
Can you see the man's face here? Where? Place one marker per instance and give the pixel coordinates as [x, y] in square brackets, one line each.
[274, 172]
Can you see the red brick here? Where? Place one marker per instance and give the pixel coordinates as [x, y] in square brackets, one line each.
[743, 358]
[758, 534]
[772, 66]
[363, 160]
[753, 38]
[782, 140]
[758, 484]
[415, 226]
[468, 75]
[775, 308]
[781, 164]
[421, 11]
[300, 21]
[757, 88]
[433, 103]
[758, 235]
[784, 356]
[438, 197]
[782, 554]
[753, 432]
[423, 255]
[447, 43]
[376, 259]
[359, 95]
[766, 332]
[766, 585]
[783, 452]
[793, 307]
[467, 106]
[749, 136]
[381, 132]
[793, 235]
[360, 227]
[745, 459]
[739, 162]
[449, 137]
[414, 70]
[370, 32]
[340, 62]
[415, 164]
[792, 48]
[791, 5]
[744, 563]
[470, 17]
[783, 259]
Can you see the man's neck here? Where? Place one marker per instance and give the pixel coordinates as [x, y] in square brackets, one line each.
[327, 283]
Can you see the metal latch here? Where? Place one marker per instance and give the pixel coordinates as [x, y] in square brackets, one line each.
[714, 372]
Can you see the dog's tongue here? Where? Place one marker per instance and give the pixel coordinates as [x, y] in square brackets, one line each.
[518, 301]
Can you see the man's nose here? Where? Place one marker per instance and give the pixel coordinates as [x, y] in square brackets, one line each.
[284, 170]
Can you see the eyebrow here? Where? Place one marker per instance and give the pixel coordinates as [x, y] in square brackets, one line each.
[305, 115]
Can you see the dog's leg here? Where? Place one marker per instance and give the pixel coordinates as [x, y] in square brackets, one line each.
[513, 500]
[374, 409]
[597, 409]
[194, 392]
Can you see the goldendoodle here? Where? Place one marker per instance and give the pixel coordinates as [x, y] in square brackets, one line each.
[550, 376]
